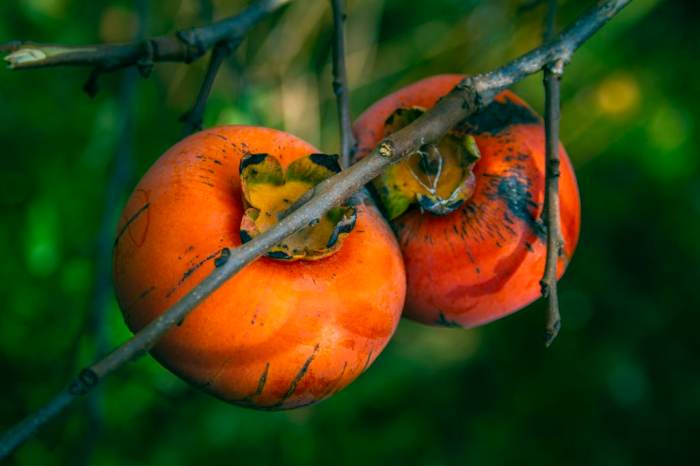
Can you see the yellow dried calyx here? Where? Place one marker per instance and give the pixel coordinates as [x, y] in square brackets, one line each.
[269, 193]
[438, 177]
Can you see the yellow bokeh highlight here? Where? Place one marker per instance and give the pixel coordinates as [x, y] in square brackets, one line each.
[118, 24]
[618, 95]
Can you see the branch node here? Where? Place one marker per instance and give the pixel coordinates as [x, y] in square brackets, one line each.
[553, 166]
[557, 66]
[386, 149]
[194, 48]
[145, 63]
[84, 382]
[544, 288]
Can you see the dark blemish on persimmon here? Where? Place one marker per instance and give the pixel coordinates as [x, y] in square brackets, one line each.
[221, 136]
[245, 236]
[191, 270]
[131, 220]
[217, 161]
[223, 257]
[518, 199]
[141, 296]
[261, 383]
[445, 322]
[498, 116]
[297, 378]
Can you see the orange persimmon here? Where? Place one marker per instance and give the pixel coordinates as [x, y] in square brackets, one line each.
[280, 333]
[466, 209]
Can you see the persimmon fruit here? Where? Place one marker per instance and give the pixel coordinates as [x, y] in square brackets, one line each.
[466, 210]
[289, 329]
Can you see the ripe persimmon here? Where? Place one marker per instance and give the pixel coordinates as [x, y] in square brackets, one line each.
[466, 209]
[289, 329]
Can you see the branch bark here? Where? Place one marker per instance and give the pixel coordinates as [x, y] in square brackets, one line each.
[193, 119]
[184, 46]
[551, 212]
[340, 84]
[468, 97]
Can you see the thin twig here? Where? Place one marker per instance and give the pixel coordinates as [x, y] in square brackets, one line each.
[193, 119]
[340, 84]
[184, 46]
[122, 172]
[551, 212]
[116, 188]
[468, 97]
[550, 21]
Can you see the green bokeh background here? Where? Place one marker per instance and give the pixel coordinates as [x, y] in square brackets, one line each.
[621, 385]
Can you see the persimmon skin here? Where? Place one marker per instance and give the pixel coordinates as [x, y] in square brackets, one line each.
[278, 334]
[486, 259]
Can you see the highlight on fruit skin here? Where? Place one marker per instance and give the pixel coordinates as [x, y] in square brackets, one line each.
[485, 259]
[279, 334]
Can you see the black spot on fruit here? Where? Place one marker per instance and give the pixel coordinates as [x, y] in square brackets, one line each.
[223, 257]
[497, 116]
[443, 321]
[245, 237]
[519, 201]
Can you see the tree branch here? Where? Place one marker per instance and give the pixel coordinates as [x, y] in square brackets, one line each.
[340, 84]
[551, 211]
[468, 97]
[193, 119]
[185, 46]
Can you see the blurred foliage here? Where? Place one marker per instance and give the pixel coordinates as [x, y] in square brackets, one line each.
[621, 385]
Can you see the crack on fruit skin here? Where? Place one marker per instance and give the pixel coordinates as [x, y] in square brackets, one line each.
[499, 116]
[334, 386]
[297, 378]
[217, 254]
[127, 308]
[369, 358]
[131, 220]
[261, 382]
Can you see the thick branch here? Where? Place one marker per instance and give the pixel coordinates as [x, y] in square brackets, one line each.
[468, 97]
[340, 84]
[184, 46]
